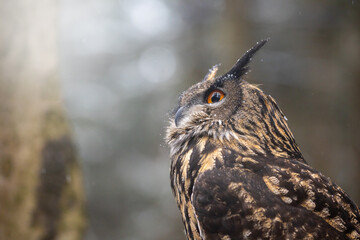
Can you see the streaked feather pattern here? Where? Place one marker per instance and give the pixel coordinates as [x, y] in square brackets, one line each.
[237, 172]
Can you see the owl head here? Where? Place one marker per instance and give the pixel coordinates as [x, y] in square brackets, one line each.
[227, 107]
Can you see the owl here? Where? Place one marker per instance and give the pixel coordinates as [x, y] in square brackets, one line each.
[237, 173]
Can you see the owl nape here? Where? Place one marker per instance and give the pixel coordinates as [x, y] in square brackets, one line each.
[237, 172]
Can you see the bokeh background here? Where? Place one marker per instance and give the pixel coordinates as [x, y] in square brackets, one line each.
[124, 62]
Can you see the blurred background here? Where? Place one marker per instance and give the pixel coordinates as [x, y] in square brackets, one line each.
[123, 63]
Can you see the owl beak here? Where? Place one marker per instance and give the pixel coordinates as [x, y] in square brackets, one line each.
[179, 115]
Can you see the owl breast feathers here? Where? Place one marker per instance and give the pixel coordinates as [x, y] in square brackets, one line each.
[237, 172]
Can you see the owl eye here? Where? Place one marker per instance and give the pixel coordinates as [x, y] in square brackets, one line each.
[215, 96]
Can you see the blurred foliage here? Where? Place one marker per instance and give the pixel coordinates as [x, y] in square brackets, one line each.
[125, 62]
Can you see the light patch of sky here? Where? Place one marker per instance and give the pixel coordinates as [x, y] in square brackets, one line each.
[127, 79]
[91, 28]
[157, 64]
[90, 101]
[150, 17]
[98, 36]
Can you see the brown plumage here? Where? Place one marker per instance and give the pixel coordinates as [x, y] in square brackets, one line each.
[237, 172]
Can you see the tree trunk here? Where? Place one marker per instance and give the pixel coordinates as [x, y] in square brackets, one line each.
[41, 192]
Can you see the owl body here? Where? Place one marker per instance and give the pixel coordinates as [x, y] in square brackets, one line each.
[237, 172]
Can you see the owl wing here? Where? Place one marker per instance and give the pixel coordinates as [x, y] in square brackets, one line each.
[286, 199]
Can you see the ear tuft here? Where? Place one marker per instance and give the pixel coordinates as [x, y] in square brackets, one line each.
[241, 66]
[211, 73]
